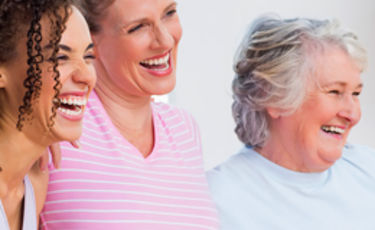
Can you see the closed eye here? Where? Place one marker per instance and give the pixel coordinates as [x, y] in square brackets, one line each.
[171, 12]
[334, 91]
[135, 28]
[90, 56]
[356, 93]
[62, 57]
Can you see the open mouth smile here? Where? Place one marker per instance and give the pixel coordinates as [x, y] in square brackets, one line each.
[333, 130]
[72, 106]
[159, 66]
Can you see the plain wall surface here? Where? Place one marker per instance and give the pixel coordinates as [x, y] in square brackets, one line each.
[212, 30]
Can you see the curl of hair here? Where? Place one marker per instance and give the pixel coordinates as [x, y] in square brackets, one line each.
[272, 67]
[94, 11]
[57, 21]
[22, 18]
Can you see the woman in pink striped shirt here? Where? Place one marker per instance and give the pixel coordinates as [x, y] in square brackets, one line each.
[140, 163]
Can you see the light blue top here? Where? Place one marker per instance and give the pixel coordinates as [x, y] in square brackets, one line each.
[252, 192]
[29, 209]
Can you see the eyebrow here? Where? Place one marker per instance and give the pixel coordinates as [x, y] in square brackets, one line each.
[360, 85]
[173, 4]
[67, 48]
[90, 46]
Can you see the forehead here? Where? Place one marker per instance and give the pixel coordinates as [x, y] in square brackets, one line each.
[76, 29]
[48, 24]
[334, 65]
[137, 8]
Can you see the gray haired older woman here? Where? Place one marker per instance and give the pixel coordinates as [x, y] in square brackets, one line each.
[295, 101]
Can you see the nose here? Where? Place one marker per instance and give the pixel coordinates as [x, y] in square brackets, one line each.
[351, 109]
[84, 74]
[163, 39]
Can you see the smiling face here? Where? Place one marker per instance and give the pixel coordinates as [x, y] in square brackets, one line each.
[137, 47]
[77, 76]
[312, 138]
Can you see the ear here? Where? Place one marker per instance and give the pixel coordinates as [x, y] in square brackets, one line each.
[3, 77]
[274, 113]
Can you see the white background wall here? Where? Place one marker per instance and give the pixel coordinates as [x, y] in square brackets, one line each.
[212, 32]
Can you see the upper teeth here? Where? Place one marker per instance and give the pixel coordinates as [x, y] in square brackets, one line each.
[78, 101]
[157, 61]
[333, 129]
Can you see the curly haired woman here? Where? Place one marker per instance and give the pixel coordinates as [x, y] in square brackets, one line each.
[45, 78]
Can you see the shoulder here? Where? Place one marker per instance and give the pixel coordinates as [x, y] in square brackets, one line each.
[228, 174]
[230, 189]
[360, 157]
[167, 110]
[358, 153]
[171, 115]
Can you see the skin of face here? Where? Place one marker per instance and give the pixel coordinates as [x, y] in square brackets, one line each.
[77, 76]
[300, 141]
[136, 33]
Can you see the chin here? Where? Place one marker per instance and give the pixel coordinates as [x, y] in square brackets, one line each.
[69, 132]
[165, 87]
[331, 156]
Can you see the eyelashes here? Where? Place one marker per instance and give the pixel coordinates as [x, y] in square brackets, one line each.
[135, 28]
[171, 12]
[90, 56]
[356, 93]
[339, 93]
[63, 57]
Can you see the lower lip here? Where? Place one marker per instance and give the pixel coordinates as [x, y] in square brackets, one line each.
[77, 117]
[160, 73]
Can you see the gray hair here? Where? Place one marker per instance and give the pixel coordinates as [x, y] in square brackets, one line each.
[272, 66]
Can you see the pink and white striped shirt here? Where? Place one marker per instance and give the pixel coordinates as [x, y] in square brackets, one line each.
[107, 184]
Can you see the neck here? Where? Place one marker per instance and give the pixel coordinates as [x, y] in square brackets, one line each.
[17, 155]
[279, 149]
[131, 115]
[279, 154]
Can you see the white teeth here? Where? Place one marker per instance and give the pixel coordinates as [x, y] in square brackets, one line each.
[70, 112]
[333, 129]
[76, 105]
[77, 101]
[157, 61]
[165, 68]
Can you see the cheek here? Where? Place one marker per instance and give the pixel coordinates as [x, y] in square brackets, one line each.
[124, 51]
[322, 108]
[48, 77]
[65, 72]
[48, 91]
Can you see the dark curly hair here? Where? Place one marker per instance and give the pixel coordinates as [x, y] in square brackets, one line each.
[22, 18]
[94, 11]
